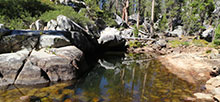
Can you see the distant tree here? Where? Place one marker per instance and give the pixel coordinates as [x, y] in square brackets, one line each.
[138, 14]
[152, 17]
[125, 10]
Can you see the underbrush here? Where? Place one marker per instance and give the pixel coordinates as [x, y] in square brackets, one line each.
[194, 42]
[19, 14]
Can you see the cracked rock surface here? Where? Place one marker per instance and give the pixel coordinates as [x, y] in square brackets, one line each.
[52, 65]
[9, 65]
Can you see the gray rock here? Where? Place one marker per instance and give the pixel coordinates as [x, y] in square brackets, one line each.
[2, 26]
[176, 33]
[31, 74]
[111, 39]
[18, 40]
[64, 23]
[32, 26]
[133, 18]
[53, 41]
[147, 25]
[10, 64]
[127, 33]
[39, 24]
[118, 19]
[51, 25]
[208, 34]
[52, 65]
[162, 43]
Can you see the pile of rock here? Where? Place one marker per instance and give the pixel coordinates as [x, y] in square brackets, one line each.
[212, 87]
[34, 57]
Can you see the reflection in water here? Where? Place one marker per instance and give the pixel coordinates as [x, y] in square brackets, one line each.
[114, 79]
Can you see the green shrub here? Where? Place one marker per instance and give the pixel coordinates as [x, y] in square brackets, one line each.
[177, 43]
[66, 11]
[217, 36]
[136, 44]
[135, 31]
[19, 14]
[201, 43]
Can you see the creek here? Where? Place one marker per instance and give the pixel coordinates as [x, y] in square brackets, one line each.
[114, 78]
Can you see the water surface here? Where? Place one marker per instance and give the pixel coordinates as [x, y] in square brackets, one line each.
[129, 78]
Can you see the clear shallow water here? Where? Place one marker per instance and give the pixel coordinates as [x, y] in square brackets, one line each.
[133, 78]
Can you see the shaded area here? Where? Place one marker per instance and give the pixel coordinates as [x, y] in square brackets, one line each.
[127, 79]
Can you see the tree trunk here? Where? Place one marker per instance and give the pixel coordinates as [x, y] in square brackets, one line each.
[116, 6]
[138, 14]
[152, 17]
[125, 11]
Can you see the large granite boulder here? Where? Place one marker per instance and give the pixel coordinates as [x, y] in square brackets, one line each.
[10, 65]
[18, 40]
[54, 64]
[111, 39]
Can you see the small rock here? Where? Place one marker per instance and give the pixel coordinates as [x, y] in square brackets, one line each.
[162, 43]
[208, 34]
[37, 25]
[2, 26]
[203, 96]
[215, 71]
[214, 81]
[216, 91]
[64, 23]
[51, 25]
[217, 98]
[176, 33]
[209, 87]
[25, 98]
